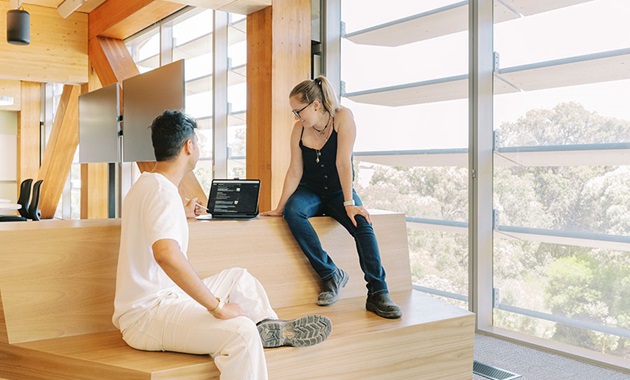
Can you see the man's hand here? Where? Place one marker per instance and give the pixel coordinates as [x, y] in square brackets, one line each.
[229, 310]
[193, 208]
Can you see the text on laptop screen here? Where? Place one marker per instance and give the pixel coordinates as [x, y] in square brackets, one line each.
[234, 197]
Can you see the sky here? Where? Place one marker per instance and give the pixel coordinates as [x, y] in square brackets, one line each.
[590, 27]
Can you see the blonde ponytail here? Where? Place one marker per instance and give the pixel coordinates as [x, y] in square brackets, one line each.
[317, 89]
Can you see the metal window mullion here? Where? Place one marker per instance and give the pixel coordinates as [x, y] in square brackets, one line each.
[481, 64]
[166, 43]
[219, 95]
[331, 36]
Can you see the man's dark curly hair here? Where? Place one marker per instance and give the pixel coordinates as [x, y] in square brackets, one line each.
[169, 132]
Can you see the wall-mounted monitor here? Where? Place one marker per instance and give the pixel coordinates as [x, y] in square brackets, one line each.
[145, 97]
[99, 111]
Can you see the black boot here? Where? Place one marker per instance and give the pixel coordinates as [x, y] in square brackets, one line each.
[332, 288]
[382, 305]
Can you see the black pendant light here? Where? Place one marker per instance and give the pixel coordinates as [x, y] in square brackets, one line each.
[18, 27]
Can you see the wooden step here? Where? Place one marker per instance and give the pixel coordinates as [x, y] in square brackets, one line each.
[431, 336]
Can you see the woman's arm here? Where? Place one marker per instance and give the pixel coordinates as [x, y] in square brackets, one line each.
[294, 172]
[347, 132]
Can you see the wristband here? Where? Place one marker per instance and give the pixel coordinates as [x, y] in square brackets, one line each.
[219, 307]
[349, 203]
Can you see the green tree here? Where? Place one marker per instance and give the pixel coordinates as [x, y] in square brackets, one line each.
[575, 282]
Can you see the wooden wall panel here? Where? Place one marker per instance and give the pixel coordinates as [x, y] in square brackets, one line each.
[28, 131]
[60, 150]
[11, 88]
[95, 199]
[57, 52]
[278, 51]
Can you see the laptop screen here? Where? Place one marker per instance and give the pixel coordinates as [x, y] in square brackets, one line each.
[234, 197]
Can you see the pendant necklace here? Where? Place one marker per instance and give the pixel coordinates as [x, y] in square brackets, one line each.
[320, 134]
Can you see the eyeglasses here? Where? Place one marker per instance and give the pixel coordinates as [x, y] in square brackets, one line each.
[297, 113]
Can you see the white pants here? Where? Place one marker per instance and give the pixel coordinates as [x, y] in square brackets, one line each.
[178, 323]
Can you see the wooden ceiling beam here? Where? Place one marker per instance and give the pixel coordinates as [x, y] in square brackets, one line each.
[120, 19]
[111, 60]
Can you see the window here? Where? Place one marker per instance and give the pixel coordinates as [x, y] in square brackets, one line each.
[194, 36]
[561, 253]
[561, 137]
[412, 137]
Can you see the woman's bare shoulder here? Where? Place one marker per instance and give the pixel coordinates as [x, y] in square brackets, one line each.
[344, 115]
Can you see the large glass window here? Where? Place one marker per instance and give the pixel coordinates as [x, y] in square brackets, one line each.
[409, 97]
[562, 128]
[145, 49]
[561, 253]
[192, 41]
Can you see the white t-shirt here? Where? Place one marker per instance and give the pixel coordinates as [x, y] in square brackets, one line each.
[152, 211]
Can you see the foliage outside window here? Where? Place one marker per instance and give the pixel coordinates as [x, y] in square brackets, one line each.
[561, 248]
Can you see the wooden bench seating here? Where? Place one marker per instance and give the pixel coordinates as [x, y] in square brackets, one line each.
[56, 301]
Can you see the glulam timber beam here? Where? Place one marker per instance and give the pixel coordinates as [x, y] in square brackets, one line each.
[278, 57]
[119, 19]
[60, 150]
[111, 60]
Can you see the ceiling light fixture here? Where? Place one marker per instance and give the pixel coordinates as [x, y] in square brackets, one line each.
[6, 100]
[18, 27]
[66, 8]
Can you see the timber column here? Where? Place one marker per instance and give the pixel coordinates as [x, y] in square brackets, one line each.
[279, 57]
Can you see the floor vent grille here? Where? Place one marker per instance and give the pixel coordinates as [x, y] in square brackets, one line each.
[492, 373]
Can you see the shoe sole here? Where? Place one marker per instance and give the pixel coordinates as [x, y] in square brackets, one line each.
[342, 284]
[382, 313]
[301, 332]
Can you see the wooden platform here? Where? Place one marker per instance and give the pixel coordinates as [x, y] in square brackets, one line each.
[57, 286]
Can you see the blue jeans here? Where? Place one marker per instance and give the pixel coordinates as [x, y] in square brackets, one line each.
[305, 203]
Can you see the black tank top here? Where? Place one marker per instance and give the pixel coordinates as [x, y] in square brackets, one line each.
[320, 169]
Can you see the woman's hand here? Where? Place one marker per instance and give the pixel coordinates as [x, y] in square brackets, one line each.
[353, 211]
[275, 212]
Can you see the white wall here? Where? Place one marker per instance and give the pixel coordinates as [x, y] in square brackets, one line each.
[8, 155]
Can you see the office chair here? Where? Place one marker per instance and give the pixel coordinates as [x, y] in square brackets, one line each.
[27, 211]
[33, 209]
[25, 194]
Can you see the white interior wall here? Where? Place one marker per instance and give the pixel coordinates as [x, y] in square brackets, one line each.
[8, 155]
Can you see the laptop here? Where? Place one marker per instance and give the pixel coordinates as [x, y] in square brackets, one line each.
[233, 198]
